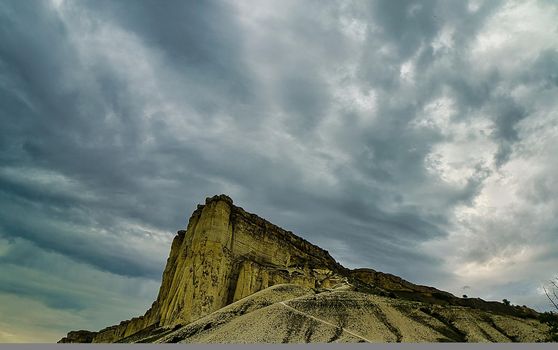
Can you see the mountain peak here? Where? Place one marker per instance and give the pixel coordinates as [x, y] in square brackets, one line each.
[219, 197]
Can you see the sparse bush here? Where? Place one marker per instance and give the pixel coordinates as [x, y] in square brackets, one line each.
[465, 296]
[551, 319]
[441, 296]
[506, 302]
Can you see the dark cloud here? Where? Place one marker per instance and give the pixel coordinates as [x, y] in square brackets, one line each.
[305, 100]
[55, 120]
[407, 25]
[508, 114]
[543, 70]
[200, 42]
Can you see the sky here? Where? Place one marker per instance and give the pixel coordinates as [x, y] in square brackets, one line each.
[417, 138]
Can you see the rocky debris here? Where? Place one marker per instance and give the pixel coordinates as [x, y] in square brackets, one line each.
[227, 255]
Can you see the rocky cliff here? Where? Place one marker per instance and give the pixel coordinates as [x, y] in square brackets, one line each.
[226, 254]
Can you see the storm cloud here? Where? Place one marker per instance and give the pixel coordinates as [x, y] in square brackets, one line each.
[413, 137]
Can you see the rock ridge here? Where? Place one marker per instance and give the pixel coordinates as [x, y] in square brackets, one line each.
[226, 254]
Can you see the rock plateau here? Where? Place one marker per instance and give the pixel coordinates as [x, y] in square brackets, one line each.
[233, 277]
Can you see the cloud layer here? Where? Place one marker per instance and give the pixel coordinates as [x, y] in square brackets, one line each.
[414, 137]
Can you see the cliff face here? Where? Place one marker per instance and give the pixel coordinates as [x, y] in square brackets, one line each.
[226, 254]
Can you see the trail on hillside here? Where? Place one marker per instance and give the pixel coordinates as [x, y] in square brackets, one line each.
[324, 321]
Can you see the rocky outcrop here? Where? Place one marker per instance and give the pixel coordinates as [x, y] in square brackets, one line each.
[81, 336]
[227, 254]
[396, 286]
[224, 255]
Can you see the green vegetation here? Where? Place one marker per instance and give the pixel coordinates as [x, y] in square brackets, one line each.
[551, 319]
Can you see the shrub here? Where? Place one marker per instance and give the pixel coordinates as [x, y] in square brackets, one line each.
[551, 319]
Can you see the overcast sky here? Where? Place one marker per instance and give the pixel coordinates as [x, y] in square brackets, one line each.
[413, 137]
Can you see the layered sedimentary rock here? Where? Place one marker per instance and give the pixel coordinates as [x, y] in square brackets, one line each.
[226, 255]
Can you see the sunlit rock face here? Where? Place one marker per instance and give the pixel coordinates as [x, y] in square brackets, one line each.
[227, 255]
[224, 255]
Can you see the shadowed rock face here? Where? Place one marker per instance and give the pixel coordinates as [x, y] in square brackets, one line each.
[226, 255]
[79, 337]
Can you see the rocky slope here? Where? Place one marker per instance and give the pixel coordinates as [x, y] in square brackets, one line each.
[219, 277]
[290, 313]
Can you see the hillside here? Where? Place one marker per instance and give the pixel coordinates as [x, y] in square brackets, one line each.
[232, 270]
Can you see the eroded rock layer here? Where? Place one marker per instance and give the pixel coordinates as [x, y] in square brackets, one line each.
[224, 255]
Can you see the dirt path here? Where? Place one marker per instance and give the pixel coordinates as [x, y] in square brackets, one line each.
[324, 321]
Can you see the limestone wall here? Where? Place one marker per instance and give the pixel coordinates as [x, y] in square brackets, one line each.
[224, 255]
